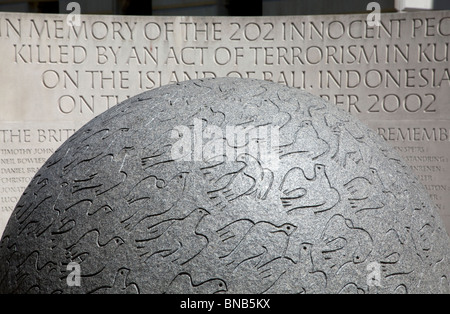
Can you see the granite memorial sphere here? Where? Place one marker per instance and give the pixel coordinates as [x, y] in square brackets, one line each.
[224, 186]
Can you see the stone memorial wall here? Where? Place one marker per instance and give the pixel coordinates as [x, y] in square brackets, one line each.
[54, 77]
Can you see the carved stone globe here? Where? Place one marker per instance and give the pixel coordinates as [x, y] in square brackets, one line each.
[224, 186]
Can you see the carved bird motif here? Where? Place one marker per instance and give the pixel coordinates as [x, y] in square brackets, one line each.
[153, 196]
[263, 177]
[307, 141]
[349, 141]
[183, 283]
[81, 250]
[341, 243]
[32, 273]
[232, 234]
[155, 225]
[221, 177]
[351, 289]
[177, 240]
[159, 151]
[264, 242]
[368, 193]
[120, 285]
[76, 228]
[298, 277]
[301, 192]
[249, 179]
[99, 182]
[392, 256]
[258, 280]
